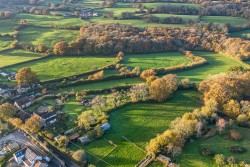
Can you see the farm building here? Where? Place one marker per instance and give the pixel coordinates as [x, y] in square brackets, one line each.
[3, 89]
[23, 102]
[105, 126]
[84, 139]
[3, 74]
[47, 118]
[73, 136]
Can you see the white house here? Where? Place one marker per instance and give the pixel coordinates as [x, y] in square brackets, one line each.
[23, 102]
[27, 157]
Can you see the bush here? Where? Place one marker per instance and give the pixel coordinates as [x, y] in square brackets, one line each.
[235, 135]
[237, 149]
[206, 152]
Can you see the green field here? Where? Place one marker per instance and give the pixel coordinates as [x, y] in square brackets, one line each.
[5, 42]
[45, 21]
[137, 23]
[153, 5]
[58, 67]
[184, 17]
[139, 123]
[241, 34]
[191, 155]
[103, 85]
[7, 26]
[236, 21]
[217, 64]
[16, 56]
[155, 60]
[47, 36]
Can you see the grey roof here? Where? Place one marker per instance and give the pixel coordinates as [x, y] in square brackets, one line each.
[46, 115]
[23, 101]
[30, 154]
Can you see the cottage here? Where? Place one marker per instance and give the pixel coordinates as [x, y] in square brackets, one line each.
[47, 118]
[27, 157]
[23, 103]
[23, 88]
[12, 146]
[84, 139]
[105, 127]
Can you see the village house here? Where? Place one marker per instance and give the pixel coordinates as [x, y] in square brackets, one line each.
[84, 139]
[3, 74]
[23, 115]
[3, 89]
[23, 103]
[105, 127]
[29, 157]
[23, 88]
[47, 118]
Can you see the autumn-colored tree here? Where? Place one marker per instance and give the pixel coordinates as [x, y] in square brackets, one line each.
[17, 122]
[120, 56]
[232, 108]
[7, 111]
[41, 48]
[78, 155]
[62, 141]
[139, 93]
[136, 71]
[219, 160]
[26, 76]
[61, 48]
[221, 124]
[97, 75]
[33, 124]
[161, 88]
[98, 103]
[147, 73]
[81, 95]
[150, 79]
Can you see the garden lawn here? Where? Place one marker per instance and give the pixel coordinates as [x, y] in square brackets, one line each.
[139, 123]
[58, 67]
[46, 36]
[45, 20]
[217, 64]
[241, 34]
[236, 21]
[134, 22]
[5, 42]
[11, 57]
[7, 26]
[191, 156]
[155, 60]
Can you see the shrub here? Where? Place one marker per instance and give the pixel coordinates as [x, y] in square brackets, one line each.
[206, 152]
[235, 135]
[237, 149]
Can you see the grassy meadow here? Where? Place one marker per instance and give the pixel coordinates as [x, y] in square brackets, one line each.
[241, 34]
[45, 21]
[47, 36]
[236, 21]
[7, 26]
[217, 64]
[153, 5]
[5, 42]
[184, 17]
[155, 60]
[58, 67]
[219, 144]
[11, 57]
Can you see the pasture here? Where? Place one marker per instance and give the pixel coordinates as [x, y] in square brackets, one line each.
[5, 42]
[46, 21]
[11, 57]
[7, 26]
[58, 67]
[153, 5]
[220, 144]
[46, 36]
[155, 60]
[236, 21]
[184, 17]
[138, 123]
[241, 34]
[217, 64]
[134, 22]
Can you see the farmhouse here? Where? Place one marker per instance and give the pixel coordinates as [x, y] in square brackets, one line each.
[27, 157]
[47, 118]
[105, 127]
[23, 102]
